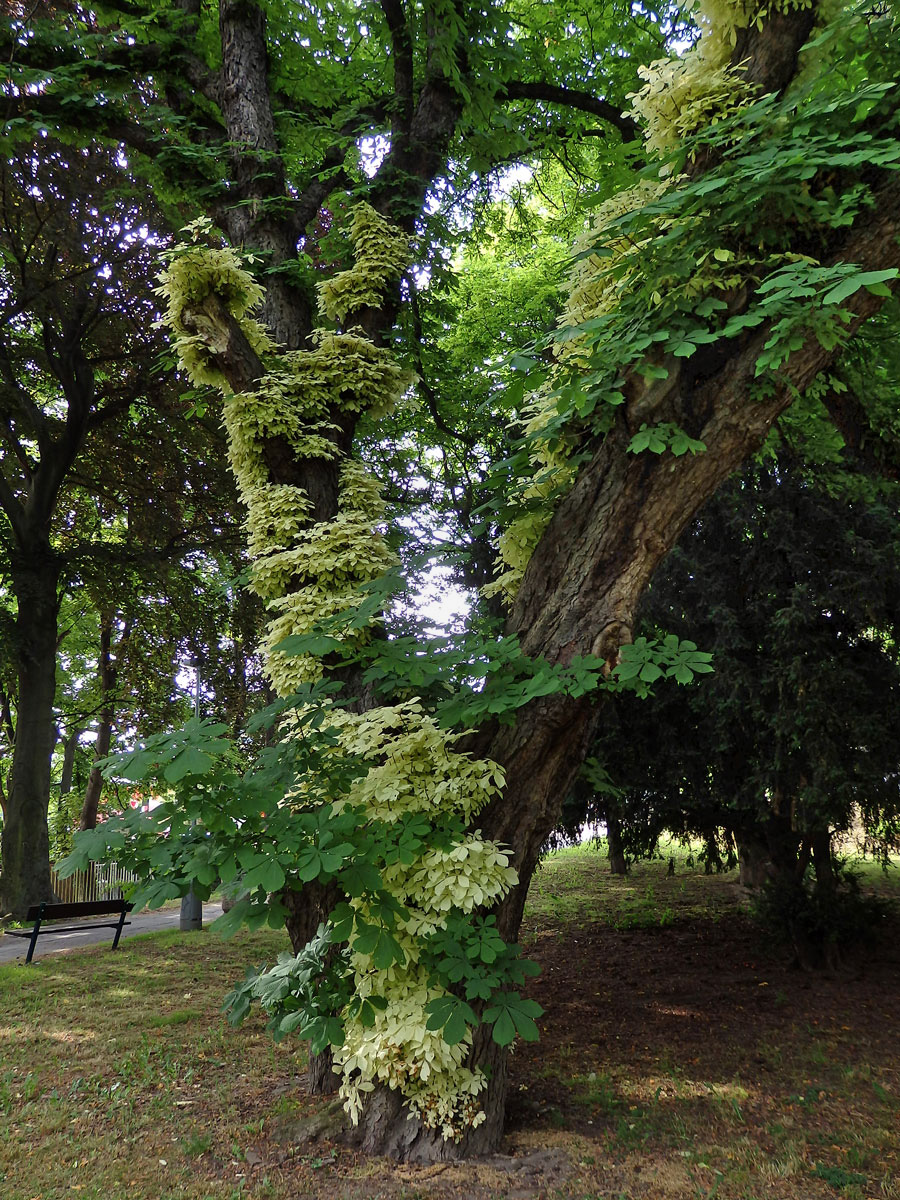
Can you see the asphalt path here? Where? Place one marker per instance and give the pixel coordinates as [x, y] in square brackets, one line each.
[15, 948]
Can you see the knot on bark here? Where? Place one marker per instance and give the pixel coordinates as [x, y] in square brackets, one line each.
[607, 642]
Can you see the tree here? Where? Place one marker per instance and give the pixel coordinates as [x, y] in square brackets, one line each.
[96, 492]
[706, 300]
[790, 579]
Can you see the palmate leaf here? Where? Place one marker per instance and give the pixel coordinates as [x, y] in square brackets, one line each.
[191, 761]
[451, 1016]
[379, 944]
[512, 1014]
[269, 876]
[360, 877]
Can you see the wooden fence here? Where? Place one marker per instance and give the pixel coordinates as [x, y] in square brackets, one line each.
[99, 882]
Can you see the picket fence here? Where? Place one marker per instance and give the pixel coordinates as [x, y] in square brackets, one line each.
[99, 882]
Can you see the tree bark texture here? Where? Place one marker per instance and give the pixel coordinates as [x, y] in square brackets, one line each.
[25, 878]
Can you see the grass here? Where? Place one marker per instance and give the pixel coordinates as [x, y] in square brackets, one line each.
[647, 897]
[680, 1058]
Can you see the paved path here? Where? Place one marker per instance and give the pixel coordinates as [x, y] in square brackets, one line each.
[15, 948]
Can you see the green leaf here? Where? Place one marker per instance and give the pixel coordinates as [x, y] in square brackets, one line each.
[450, 1015]
[360, 877]
[315, 644]
[269, 876]
[189, 762]
[229, 923]
[867, 279]
[510, 1015]
[504, 1030]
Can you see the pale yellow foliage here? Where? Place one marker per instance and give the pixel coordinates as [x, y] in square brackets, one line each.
[684, 94]
[400, 1052]
[310, 573]
[382, 255]
[189, 280]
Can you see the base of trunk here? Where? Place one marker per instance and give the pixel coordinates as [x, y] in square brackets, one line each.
[322, 1079]
[754, 862]
[386, 1126]
[614, 847]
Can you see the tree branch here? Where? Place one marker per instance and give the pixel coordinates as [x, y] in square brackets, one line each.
[13, 510]
[550, 93]
[401, 42]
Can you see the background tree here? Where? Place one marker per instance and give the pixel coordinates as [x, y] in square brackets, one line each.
[790, 576]
[103, 484]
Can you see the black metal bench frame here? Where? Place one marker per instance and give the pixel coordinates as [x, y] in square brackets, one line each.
[86, 908]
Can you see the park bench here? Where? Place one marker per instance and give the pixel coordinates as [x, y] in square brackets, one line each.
[39, 913]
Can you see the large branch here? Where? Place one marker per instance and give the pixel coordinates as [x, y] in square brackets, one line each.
[401, 44]
[551, 93]
[242, 368]
[608, 534]
[13, 510]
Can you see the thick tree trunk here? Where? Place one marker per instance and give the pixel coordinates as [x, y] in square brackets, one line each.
[546, 752]
[754, 863]
[385, 1126]
[306, 911]
[26, 841]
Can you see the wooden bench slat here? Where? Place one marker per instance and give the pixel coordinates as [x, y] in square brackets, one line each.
[82, 908]
[39, 913]
[68, 928]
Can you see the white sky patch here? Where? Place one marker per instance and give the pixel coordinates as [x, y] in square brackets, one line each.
[440, 599]
[372, 153]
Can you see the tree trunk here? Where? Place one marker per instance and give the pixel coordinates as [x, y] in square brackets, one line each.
[617, 864]
[108, 671]
[70, 749]
[26, 839]
[94, 788]
[753, 859]
[306, 910]
[385, 1127]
